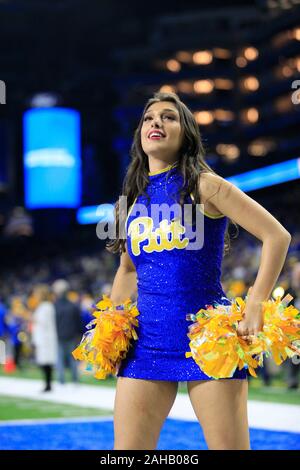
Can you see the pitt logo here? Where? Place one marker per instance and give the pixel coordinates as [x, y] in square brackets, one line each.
[166, 229]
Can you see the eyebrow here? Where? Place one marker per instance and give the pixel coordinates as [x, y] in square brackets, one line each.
[165, 109]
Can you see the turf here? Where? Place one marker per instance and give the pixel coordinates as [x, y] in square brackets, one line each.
[20, 408]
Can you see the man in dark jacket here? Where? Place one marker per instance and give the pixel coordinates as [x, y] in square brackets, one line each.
[69, 329]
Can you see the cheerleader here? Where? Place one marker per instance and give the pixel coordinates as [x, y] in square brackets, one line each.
[171, 279]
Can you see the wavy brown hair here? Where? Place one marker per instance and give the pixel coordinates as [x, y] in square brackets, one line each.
[191, 164]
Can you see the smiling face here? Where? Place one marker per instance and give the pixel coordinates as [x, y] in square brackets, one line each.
[161, 132]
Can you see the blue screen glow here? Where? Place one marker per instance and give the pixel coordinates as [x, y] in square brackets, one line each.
[95, 214]
[267, 176]
[52, 160]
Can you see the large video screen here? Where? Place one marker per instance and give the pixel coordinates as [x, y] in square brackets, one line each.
[52, 158]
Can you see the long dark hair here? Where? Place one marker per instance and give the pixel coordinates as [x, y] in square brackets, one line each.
[191, 164]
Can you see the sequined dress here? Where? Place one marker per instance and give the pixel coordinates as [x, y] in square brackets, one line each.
[172, 281]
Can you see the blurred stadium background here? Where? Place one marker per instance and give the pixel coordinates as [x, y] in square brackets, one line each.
[74, 78]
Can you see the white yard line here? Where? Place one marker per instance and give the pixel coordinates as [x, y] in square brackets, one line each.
[29, 422]
[262, 415]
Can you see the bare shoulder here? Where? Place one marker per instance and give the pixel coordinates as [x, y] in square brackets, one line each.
[231, 201]
[210, 185]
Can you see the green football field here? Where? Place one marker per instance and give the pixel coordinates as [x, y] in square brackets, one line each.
[20, 408]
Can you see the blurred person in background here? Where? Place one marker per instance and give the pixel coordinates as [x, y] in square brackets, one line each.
[16, 324]
[3, 311]
[19, 224]
[14, 327]
[86, 305]
[44, 335]
[69, 329]
[106, 288]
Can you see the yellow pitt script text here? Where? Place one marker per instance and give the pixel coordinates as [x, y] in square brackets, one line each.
[141, 229]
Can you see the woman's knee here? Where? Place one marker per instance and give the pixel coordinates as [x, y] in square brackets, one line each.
[136, 442]
[141, 408]
[225, 442]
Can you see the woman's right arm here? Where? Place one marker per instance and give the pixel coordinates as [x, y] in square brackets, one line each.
[125, 281]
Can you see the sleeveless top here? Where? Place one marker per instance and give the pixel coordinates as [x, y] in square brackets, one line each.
[172, 279]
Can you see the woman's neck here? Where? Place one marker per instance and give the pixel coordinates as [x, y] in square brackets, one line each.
[159, 165]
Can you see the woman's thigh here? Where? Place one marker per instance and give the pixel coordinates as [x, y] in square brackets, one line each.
[140, 409]
[221, 408]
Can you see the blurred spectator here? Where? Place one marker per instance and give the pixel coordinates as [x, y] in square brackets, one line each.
[19, 223]
[16, 320]
[106, 288]
[86, 305]
[44, 335]
[3, 312]
[2, 332]
[69, 329]
[14, 327]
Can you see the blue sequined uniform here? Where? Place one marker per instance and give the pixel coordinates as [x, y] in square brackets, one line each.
[171, 283]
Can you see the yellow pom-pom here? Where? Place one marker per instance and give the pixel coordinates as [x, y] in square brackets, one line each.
[106, 345]
[219, 350]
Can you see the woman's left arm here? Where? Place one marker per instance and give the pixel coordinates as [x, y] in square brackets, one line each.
[242, 209]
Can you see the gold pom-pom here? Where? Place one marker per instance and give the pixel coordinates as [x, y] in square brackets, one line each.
[106, 345]
[219, 350]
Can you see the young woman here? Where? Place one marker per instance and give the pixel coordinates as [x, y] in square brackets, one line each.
[171, 280]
